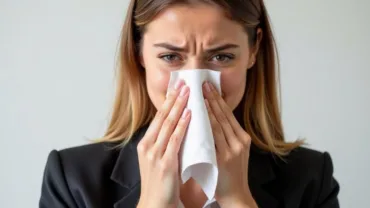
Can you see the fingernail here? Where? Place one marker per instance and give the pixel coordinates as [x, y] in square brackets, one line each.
[178, 84]
[208, 87]
[211, 86]
[185, 113]
[184, 90]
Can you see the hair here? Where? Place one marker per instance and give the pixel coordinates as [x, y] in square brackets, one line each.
[261, 111]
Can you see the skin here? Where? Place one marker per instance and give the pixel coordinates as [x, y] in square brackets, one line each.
[187, 37]
[196, 29]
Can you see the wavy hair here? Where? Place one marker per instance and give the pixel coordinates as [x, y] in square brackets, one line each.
[261, 111]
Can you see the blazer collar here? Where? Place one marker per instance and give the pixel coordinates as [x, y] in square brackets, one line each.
[126, 172]
[261, 177]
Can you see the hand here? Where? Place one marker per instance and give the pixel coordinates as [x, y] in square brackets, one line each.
[158, 151]
[232, 149]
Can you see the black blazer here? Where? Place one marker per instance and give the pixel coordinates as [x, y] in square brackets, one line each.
[99, 176]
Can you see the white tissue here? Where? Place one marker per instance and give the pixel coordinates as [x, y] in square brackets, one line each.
[198, 154]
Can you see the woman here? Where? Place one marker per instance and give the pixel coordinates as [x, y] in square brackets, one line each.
[257, 168]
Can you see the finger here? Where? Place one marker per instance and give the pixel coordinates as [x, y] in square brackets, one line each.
[211, 95]
[219, 138]
[227, 111]
[176, 139]
[171, 121]
[239, 132]
[156, 124]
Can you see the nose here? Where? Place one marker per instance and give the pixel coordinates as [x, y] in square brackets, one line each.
[194, 63]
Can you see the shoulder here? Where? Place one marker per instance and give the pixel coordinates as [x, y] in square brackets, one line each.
[77, 164]
[82, 170]
[309, 173]
[85, 159]
[307, 160]
[90, 153]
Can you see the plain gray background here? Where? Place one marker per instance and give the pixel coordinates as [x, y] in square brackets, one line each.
[56, 84]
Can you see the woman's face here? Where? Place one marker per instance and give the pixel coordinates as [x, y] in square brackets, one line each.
[196, 36]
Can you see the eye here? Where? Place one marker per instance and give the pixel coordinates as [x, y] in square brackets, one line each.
[170, 58]
[222, 58]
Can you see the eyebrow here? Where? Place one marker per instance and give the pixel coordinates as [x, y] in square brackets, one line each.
[180, 49]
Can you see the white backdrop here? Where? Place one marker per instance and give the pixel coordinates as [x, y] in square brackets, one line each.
[56, 84]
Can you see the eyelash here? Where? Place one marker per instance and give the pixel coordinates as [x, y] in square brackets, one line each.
[165, 57]
[228, 56]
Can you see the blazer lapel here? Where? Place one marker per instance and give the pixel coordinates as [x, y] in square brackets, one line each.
[131, 199]
[126, 172]
[261, 177]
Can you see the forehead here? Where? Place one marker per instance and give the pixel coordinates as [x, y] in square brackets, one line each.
[195, 21]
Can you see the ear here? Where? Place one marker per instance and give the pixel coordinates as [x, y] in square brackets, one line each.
[255, 48]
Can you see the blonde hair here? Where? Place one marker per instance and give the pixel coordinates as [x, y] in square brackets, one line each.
[134, 109]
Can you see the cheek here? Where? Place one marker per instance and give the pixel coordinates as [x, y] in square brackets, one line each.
[156, 82]
[233, 86]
